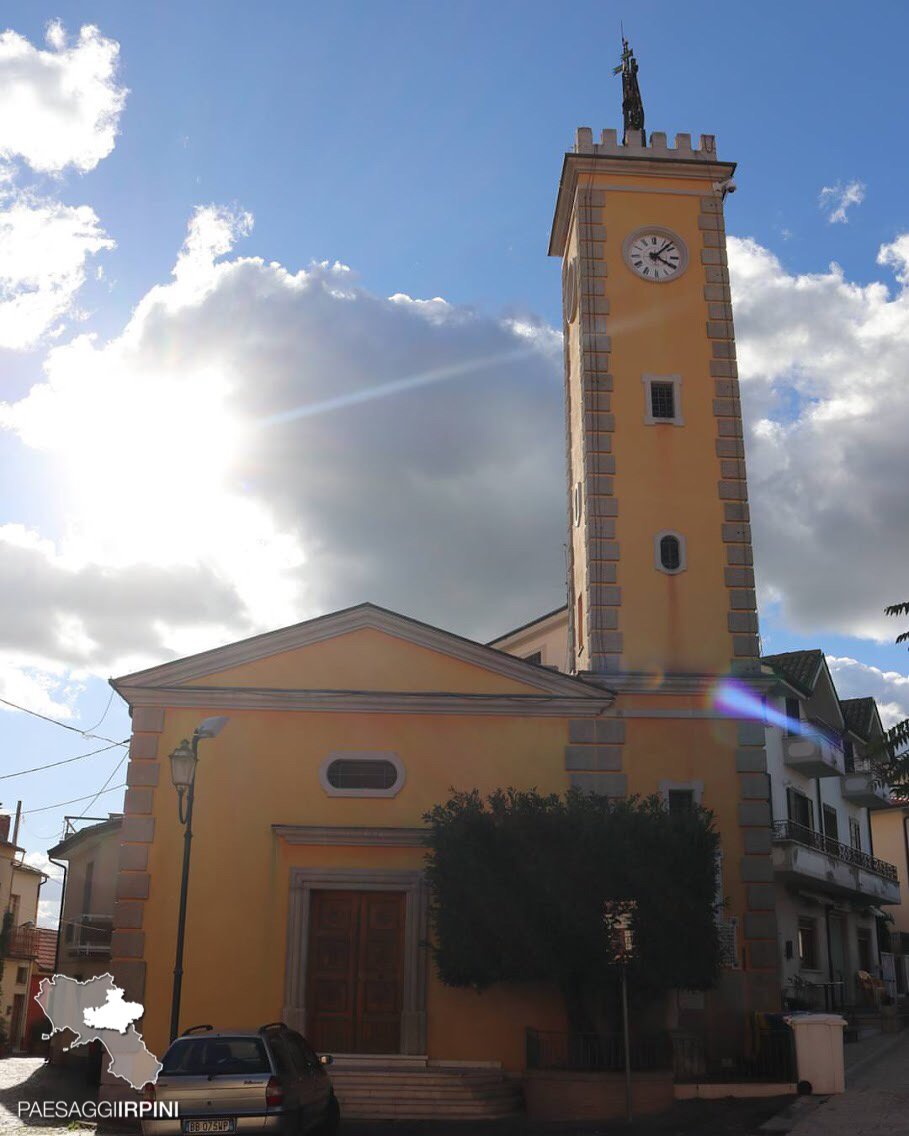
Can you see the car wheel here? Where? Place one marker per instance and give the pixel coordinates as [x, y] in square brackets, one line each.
[332, 1121]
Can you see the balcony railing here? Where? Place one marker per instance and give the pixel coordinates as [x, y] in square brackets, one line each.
[23, 942]
[90, 935]
[808, 838]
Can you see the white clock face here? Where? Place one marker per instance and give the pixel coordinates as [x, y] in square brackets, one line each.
[655, 254]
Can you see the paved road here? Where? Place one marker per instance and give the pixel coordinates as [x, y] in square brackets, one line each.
[876, 1101]
[29, 1079]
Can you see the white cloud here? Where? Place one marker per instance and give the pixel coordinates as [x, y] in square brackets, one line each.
[60, 105]
[835, 200]
[49, 913]
[890, 689]
[249, 434]
[44, 246]
[896, 256]
[823, 364]
[40, 861]
[272, 444]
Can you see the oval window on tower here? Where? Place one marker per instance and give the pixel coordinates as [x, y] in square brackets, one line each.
[669, 552]
[358, 774]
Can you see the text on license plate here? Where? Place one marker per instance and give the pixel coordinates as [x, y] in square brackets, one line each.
[216, 1124]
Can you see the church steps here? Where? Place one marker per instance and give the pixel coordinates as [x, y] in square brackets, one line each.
[397, 1094]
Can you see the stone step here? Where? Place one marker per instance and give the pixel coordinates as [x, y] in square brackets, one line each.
[426, 1094]
[426, 1112]
[403, 1079]
[452, 1094]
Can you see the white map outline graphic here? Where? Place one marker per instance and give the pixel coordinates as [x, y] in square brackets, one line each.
[94, 1010]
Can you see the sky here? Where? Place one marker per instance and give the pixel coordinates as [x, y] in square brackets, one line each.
[279, 334]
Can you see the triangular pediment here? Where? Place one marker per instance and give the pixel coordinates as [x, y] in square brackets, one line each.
[362, 649]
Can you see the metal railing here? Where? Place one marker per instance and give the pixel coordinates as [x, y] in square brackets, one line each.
[23, 942]
[594, 1053]
[90, 935]
[771, 1059]
[809, 838]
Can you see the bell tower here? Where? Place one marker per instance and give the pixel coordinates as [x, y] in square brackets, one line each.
[660, 560]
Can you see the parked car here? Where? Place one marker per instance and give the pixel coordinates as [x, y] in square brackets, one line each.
[241, 1081]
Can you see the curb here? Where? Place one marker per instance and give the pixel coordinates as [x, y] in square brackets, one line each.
[870, 1058]
[793, 1114]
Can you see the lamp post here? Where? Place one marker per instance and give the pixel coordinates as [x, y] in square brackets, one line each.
[183, 762]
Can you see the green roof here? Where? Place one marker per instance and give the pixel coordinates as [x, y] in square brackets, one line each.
[859, 715]
[800, 668]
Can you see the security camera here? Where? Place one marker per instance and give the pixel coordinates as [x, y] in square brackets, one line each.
[725, 187]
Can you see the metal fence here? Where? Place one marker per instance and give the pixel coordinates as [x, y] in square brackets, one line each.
[770, 1057]
[594, 1053]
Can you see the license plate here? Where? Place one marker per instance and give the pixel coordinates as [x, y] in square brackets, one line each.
[215, 1124]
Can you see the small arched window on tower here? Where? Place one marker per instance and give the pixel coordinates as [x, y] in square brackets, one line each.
[669, 553]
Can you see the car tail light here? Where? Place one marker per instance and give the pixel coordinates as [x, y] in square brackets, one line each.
[148, 1092]
[274, 1093]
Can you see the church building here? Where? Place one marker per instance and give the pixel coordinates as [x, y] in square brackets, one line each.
[306, 896]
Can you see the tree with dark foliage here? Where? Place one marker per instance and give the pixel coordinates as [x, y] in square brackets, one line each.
[518, 884]
[890, 754]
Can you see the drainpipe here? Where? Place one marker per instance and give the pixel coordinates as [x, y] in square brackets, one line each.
[827, 910]
[16, 825]
[64, 866]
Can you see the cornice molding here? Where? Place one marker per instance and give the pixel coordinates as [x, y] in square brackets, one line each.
[582, 703]
[658, 166]
[364, 617]
[645, 682]
[351, 835]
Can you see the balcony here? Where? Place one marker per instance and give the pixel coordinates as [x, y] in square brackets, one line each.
[23, 943]
[814, 753]
[89, 936]
[861, 787]
[806, 857]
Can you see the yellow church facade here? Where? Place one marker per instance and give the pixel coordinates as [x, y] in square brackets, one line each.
[306, 897]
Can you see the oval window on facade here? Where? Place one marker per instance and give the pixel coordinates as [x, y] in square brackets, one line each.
[353, 773]
[362, 774]
[669, 552]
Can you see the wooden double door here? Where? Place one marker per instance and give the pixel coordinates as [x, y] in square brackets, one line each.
[355, 971]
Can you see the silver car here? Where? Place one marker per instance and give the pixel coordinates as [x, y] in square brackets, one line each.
[236, 1081]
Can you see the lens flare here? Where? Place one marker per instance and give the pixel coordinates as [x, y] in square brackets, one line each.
[396, 386]
[736, 700]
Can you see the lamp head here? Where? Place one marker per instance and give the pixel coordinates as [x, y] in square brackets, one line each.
[211, 727]
[183, 762]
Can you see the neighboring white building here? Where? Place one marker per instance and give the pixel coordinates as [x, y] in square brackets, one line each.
[831, 889]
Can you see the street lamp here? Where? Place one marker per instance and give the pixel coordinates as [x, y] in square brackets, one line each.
[183, 762]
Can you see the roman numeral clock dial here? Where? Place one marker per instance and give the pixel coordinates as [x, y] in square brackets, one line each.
[657, 255]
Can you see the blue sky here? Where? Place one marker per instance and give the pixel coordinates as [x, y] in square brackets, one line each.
[420, 147]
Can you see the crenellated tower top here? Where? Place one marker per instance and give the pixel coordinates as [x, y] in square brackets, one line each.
[634, 145]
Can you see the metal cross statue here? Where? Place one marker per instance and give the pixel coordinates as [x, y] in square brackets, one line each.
[632, 104]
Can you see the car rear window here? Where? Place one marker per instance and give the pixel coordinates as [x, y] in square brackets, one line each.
[215, 1056]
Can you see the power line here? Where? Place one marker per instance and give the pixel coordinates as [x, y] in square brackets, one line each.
[65, 761]
[106, 708]
[75, 800]
[106, 783]
[55, 722]
[103, 789]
